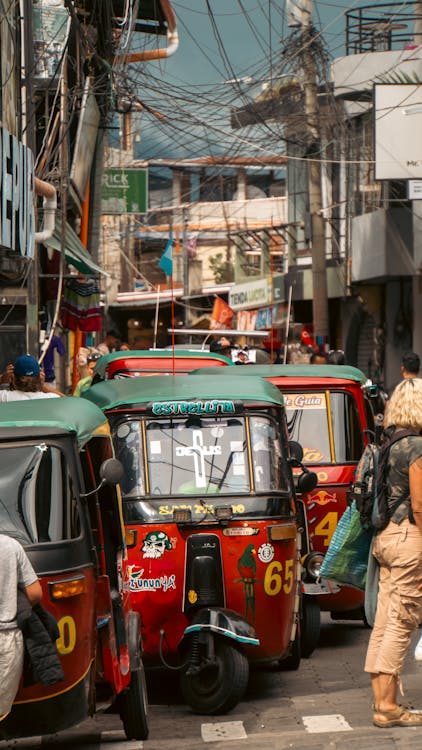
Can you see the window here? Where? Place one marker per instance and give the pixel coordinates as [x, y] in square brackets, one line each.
[37, 501]
[308, 423]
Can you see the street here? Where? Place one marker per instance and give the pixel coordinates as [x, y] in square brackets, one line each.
[312, 708]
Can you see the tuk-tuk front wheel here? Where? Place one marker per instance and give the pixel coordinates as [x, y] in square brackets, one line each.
[218, 686]
[310, 627]
[132, 704]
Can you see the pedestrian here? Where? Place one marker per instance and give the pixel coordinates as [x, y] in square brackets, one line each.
[317, 358]
[410, 365]
[398, 550]
[26, 381]
[15, 571]
[86, 364]
[409, 368]
[222, 346]
[111, 342]
[336, 357]
[124, 347]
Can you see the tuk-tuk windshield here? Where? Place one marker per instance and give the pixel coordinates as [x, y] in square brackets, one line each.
[201, 455]
[37, 502]
[327, 426]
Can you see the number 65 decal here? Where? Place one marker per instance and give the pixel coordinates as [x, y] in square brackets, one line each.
[67, 640]
[274, 579]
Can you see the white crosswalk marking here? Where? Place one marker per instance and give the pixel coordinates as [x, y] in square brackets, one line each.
[326, 723]
[226, 730]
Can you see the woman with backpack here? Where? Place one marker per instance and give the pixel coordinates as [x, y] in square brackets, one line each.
[398, 550]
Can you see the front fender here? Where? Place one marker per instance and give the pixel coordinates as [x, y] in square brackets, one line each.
[223, 622]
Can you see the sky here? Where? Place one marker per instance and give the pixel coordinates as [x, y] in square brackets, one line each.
[228, 51]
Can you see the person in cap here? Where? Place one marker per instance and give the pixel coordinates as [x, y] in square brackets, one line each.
[26, 381]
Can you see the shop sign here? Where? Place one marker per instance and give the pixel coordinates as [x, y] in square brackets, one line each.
[251, 294]
[17, 218]
[124, 191]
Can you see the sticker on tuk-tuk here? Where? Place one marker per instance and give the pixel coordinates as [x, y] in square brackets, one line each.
[304, 400]
[266, 552]
[138, 583]
[181, 408]
[155, 544]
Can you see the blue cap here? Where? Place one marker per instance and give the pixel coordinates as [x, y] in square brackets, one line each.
[26, 365]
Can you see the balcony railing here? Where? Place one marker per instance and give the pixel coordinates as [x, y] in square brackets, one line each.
[384, 27]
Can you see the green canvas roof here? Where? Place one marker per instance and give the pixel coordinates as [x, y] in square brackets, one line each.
[65, 413]
[103, 362]
[340, 372]
[111, 394]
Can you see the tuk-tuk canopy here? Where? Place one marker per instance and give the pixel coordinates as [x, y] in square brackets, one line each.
[66, 413]
[337, 372]
[111, 394]
[104, 361]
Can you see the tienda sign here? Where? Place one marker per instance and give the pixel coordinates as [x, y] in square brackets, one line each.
[17, 217]
[251, 294]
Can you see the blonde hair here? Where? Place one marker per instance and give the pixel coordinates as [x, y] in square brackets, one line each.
[405, 405]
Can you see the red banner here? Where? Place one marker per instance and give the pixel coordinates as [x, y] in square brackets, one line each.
[222, 315]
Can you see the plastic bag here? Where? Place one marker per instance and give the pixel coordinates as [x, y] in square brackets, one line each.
[346, 560]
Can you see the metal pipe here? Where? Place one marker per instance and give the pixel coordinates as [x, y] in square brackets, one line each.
[49, 194]
[157, 54]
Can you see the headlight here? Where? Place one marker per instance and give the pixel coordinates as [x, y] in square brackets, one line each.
[313, 564]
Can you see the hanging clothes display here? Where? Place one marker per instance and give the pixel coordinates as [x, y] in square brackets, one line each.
[80, 306]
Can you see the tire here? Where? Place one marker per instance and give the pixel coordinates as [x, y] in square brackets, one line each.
[310, 626]
[218, 688]
[132, 705]
[291, 663]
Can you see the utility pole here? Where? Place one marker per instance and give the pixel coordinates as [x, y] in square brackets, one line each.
[301, 17]
[319, 266]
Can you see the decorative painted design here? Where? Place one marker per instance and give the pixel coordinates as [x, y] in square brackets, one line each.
[246, 566]
[155, 544]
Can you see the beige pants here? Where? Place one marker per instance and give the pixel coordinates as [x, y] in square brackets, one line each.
[398, 550]
[11, 665]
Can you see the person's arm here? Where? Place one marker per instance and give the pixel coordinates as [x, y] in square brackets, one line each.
[34, 593]
[415, 486]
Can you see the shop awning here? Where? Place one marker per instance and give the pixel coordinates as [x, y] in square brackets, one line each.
[75, 252]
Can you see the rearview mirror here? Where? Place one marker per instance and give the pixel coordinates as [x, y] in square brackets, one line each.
[111, 471]
[296, 451]
[307, 481]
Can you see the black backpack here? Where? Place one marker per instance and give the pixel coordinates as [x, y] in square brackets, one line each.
[369, 488]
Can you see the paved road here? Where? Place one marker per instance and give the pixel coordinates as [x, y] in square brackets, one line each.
[325, 705]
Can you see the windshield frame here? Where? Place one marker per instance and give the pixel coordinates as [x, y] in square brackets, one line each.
[147, 508]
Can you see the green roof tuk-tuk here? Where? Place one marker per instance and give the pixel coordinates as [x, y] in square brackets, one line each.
[59, 498]
[212, 531]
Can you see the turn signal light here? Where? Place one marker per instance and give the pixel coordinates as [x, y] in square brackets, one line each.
[66, 589]
[130, 537]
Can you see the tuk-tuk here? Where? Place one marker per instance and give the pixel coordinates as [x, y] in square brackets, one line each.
[211, 527]
[133, 363]
[60, 500]
[329, 413]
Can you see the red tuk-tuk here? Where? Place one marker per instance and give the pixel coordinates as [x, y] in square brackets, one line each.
[133, 363]
[211, 527]
[329, 413]
[60, 500]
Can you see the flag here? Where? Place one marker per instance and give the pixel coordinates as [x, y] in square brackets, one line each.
[222, 315]
[166, 260]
